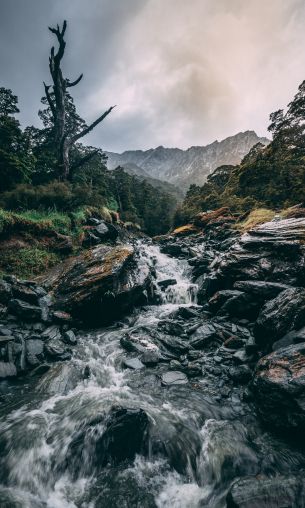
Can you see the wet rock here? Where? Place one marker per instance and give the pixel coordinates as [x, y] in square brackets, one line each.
[87, 372]
[102, 283]
[40, 369]
[55, 350]
[262, 492]
[34, 352]
[5, 292]
[150, 358]
[280, 315]
[69, 338]
[25, 310]
[173, 344]
[28, 292]
[133, 363]
[171, 327]
[163, 284]
[52, 332]
[7, 369]
[173, 378]
[279, 388]
[241, 374]
[125, 436]
[260, 288]
[4, 339]
[293, 337]
[203, 336]
[61, 317]
[234, 343]
[60, 379]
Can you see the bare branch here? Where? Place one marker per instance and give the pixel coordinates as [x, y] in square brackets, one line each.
[73, 83]
[49, 99]
[91, 126]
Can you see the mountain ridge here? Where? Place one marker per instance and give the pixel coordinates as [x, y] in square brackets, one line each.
[192, 165]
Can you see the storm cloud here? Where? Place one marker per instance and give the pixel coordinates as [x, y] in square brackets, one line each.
[181, 72]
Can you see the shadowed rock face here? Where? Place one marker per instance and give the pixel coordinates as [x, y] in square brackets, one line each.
[102, 283]
[279, 492]
[279, 387]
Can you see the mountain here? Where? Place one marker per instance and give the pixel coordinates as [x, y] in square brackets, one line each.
[184, 167]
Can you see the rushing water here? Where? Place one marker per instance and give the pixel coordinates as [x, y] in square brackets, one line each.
[211, 442]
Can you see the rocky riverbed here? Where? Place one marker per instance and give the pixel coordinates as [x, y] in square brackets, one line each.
[159, 374]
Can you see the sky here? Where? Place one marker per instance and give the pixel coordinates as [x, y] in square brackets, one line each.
[181, 72]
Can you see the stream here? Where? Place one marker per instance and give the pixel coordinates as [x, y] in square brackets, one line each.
[210, 440]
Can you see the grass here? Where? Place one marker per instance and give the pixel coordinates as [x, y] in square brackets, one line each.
[28, 262]
[256, 217]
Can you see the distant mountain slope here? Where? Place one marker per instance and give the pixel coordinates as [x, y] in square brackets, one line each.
[184, 167]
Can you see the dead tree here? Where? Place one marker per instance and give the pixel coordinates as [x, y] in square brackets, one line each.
[63, 140]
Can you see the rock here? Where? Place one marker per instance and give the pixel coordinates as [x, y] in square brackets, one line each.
[234, 343]
[171, 327]
[203, 336]
[150, 358]
[188, 229]
[69, 338]
[203, 218]
[241, 374]
[106, 231]
[40, 369]
[55, 350]
[262, 492]
[133, 363]
[93, 221]
[293, 337]
[173, 378]
[34, 352]
[280, 315]
[7, 369]
[25, 310]
[102, 283]
[163, 284]
[125, 434]
[28, 292]
[4, 339]
[61, 317]
[5, 292]
[279, 388]
[52, 332]
[260, 288]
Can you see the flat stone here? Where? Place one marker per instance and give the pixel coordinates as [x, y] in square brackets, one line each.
[163, 284]
[173, 378]
[34, 351]
[133, 363]
[25, 310]
[7, 369]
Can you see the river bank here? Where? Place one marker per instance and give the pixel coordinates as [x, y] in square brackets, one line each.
[180, 402]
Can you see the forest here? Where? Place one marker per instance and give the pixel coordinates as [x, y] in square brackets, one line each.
[271, 177]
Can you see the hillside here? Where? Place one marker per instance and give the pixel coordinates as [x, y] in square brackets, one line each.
[185, 167]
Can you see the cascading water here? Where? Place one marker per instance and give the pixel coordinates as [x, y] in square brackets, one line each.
[208, 442]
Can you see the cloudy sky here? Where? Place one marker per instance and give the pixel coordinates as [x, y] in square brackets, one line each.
[182, 72]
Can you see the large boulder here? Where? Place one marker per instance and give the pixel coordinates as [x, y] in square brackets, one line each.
[272, 252]
[279, 316]
[262, 492]
[279, 388]
[102, 283]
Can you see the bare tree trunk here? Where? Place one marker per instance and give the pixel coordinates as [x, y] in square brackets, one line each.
[63, 140]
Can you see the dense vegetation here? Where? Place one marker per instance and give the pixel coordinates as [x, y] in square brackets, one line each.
[268, 177]
[32, 175]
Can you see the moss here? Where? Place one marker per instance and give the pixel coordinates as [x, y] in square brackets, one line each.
[27, 262]
[188, 229]
[256, 217]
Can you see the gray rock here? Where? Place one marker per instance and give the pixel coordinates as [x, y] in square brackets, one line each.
[5, 292]
[133, 363]
[55, 350]
[280, 315]
[69, 338]
[150, 358]
[173, 378]
[7, 369]
[279, 388]
[34, 352]
[163, 284]
[25, 310]
[263, 492]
